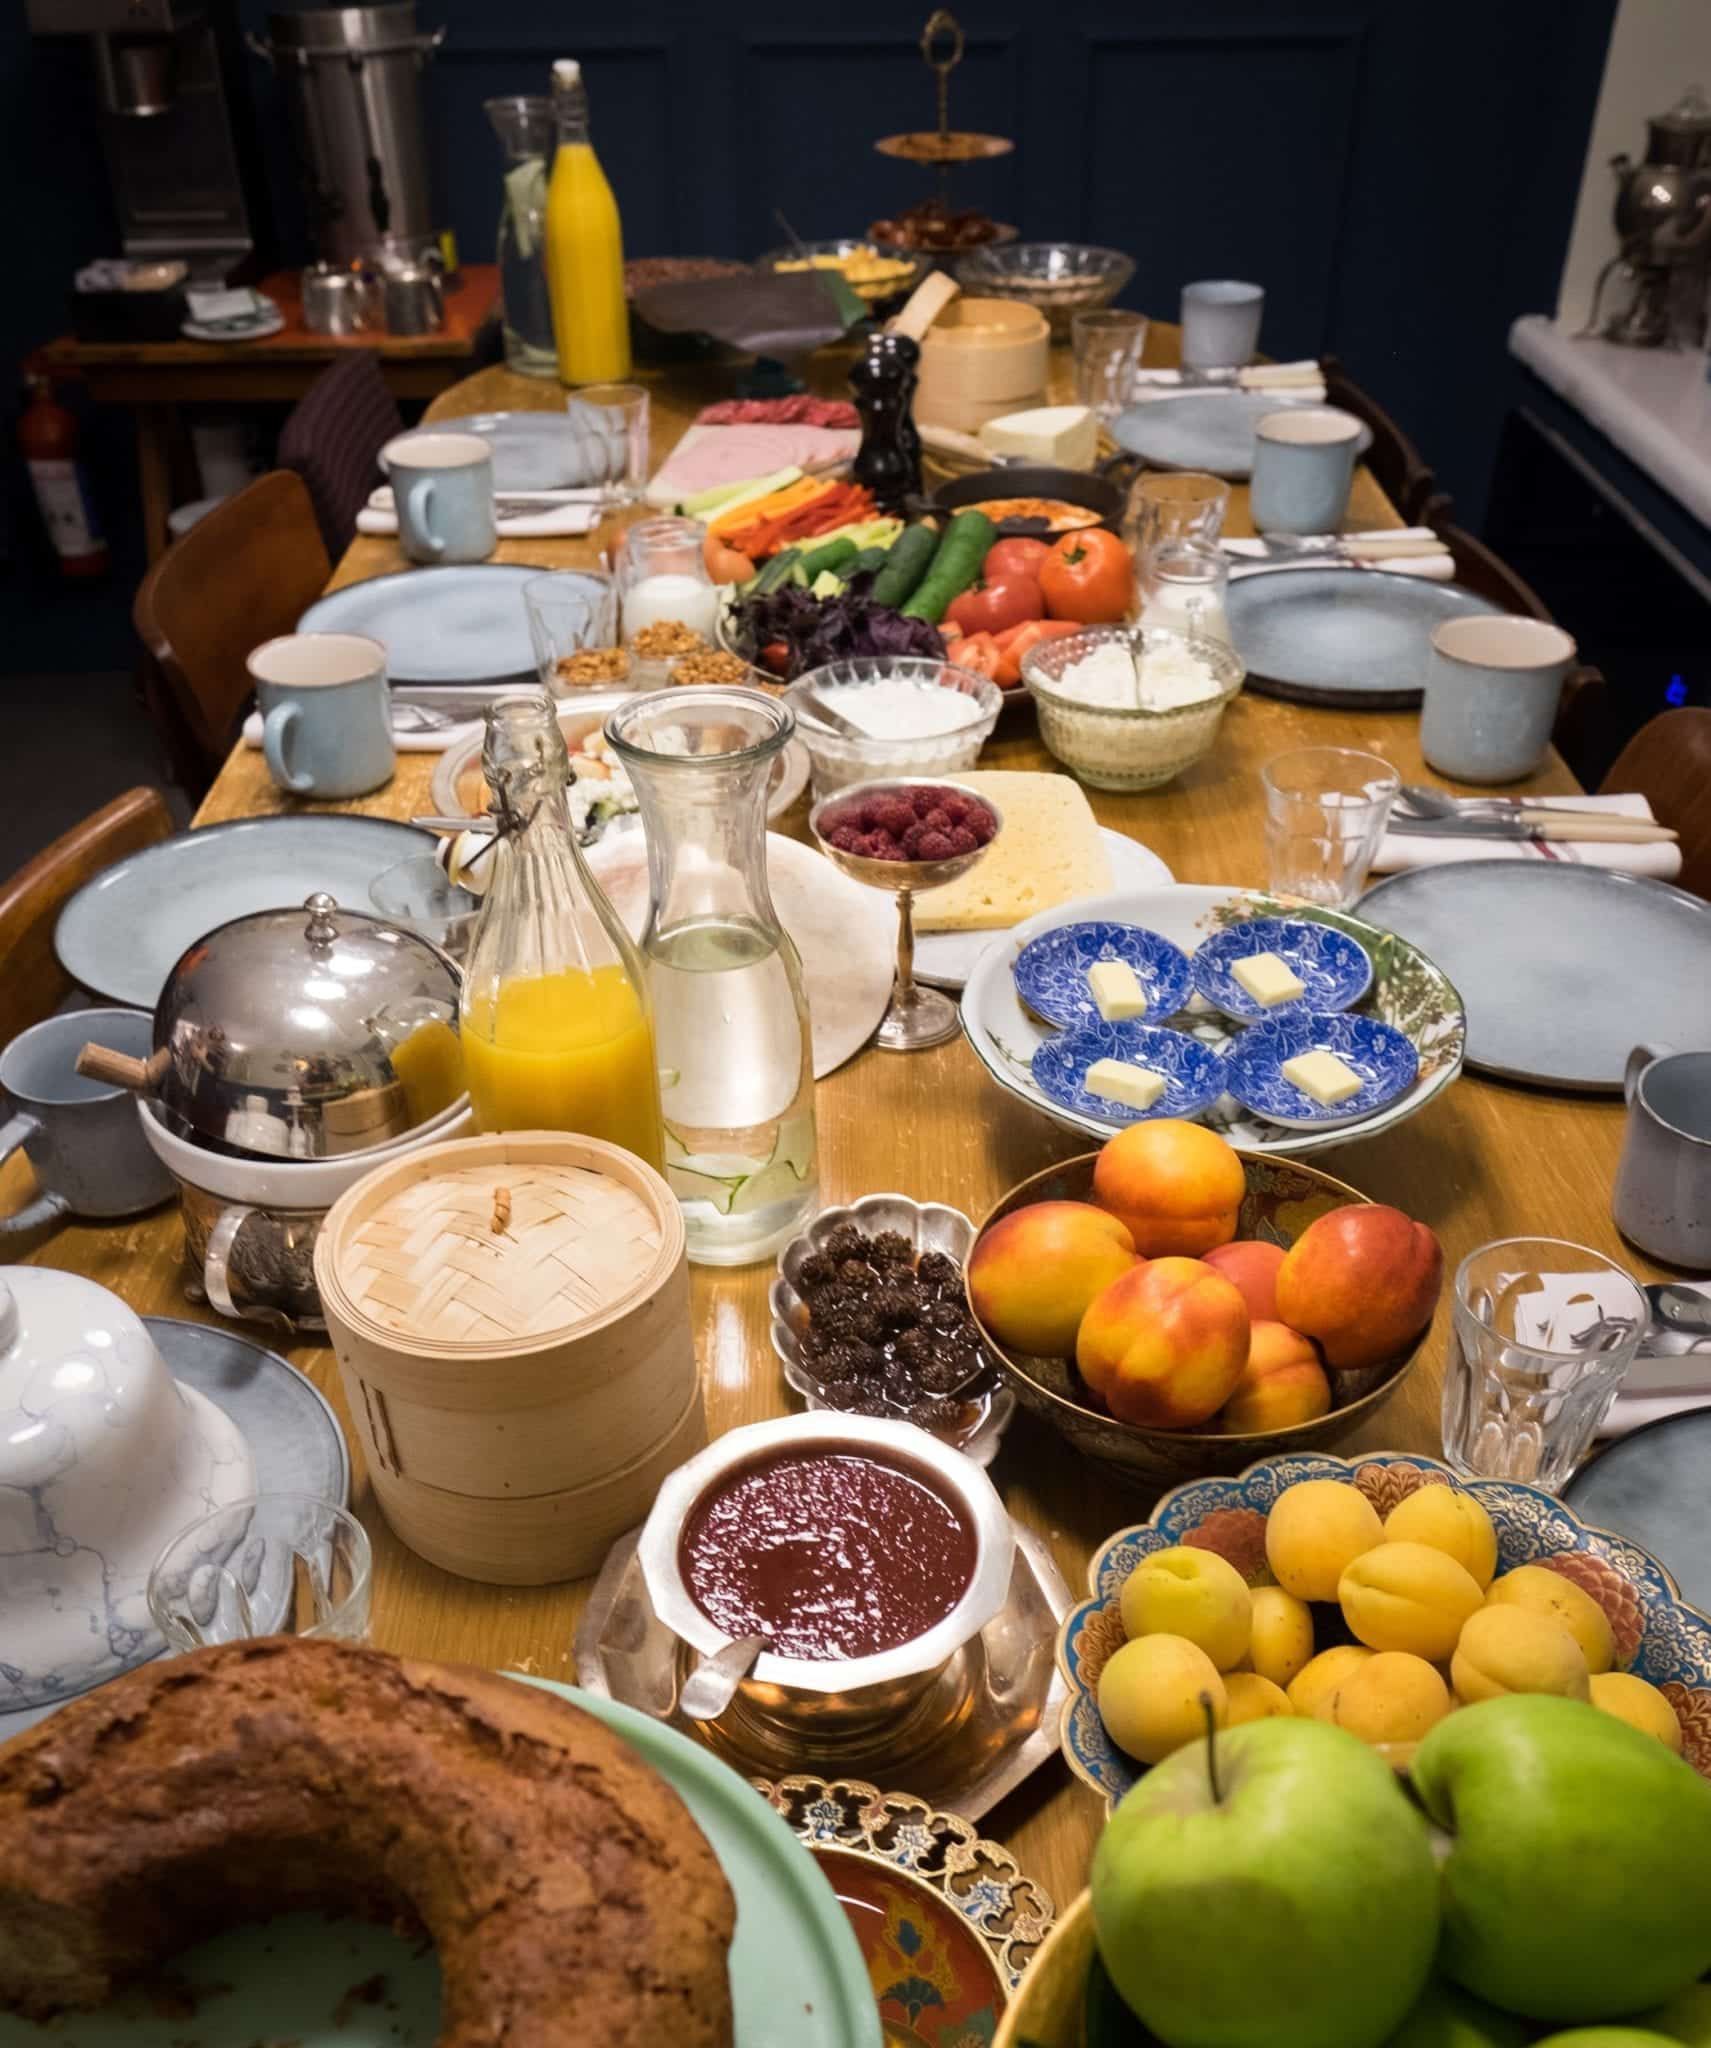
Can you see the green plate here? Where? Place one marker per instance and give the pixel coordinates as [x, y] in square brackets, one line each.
[796, 1971]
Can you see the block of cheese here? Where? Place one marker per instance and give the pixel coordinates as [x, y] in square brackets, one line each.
[1267, 979]
[1122, 1081]
[1116, 990]
[1047, 852]
[1064, 436]
[1323, 1076]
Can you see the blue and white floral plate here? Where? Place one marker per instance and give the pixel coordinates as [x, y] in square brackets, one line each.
[1377, 1052]
[1659, 1637]
[1194, 1074]
[1334, 967]
[1051, 971]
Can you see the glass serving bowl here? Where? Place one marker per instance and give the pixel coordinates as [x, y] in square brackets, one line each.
[1058, 278]
[1127, 746]
[839, 760]
[880, 293]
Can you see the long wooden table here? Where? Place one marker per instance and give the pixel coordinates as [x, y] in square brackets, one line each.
[1483, 1161]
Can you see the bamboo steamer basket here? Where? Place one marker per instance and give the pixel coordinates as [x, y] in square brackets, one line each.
[982, 358]
[511, 1318]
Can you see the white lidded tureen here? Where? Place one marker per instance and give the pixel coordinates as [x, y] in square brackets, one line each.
[103, 1458]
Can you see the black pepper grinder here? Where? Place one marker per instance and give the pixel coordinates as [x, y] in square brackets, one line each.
[888, 461]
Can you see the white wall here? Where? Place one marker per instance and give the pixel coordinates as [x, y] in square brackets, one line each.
[1657, 49]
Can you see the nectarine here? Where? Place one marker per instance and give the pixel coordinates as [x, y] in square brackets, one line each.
[1031, 1276]
[1164, 1344]
[1176, 1186]
[1282, 1383]
[1252, 1264]
[1363, 1280]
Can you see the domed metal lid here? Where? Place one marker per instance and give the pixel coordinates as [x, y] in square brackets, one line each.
[304, 1034]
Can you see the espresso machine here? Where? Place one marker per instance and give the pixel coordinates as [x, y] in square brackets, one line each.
[1660, 275]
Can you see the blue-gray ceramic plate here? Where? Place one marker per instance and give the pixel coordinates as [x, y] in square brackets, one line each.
[1194, 1074]
[1354, 637]
[1670, 1645]
[1377, 1052]
[1208, 429]
[122, 934]
[1650, 1487]
[1334, 967]
[1051, 971]
[458, 625]
[544, 451]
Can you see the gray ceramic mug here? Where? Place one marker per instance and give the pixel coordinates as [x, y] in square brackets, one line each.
[1220, 323]
[442, 487]
[326, 715]
[81, 1136]
[1304, 462]
[1662, 1201]
[1493, 684]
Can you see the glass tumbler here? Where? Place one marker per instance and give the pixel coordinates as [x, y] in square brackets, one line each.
[618, 413]
[1183, 586]
[1107, 347]
[1544, 1332]
[565, 617]
[279, 1564]
[1325, 812]
[1167, 505]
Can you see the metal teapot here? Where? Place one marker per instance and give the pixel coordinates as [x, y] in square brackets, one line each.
[1663, 219]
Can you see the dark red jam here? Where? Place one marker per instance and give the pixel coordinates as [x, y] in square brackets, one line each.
[830, 1553]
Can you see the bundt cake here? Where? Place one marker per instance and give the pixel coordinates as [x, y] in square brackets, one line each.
[571, 1896]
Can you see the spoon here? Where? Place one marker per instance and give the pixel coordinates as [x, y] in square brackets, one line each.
[1426, 802]
[1676, 1306]
[834, 721]
[712, 1685]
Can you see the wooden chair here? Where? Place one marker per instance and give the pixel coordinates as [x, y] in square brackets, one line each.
[34, 983]
[1402, 473]
[1668, 761]
[240, 576]
[333, 440]
[1480, 569]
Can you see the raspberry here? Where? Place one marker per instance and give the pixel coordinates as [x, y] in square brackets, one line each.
[981, 823]
[955, 808]
[876, 845]
[845, 838]
[938, 820]
[842, 818]
[912, 842]
[892, 814]
[935, 846]
[923, 801]
[891, 851]
[962, 839]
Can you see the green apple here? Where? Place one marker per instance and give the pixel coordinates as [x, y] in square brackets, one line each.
[1271, 1887]
[1577, 1875]
[1449, 2017]
[1687, 2017]
[1605, 2037]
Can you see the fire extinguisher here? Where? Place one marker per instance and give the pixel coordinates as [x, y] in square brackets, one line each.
[47, 435]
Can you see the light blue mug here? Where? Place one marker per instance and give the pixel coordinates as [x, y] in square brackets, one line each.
[1220, 323]
[442, 487]
[1304, 462]
[1493, 683]
[326, 717]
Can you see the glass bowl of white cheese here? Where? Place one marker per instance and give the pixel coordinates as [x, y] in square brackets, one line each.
[1130, 707]
[916, 717]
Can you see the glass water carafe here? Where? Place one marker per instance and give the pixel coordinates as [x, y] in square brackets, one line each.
[731, 1013]
[555, 1021]
[526, 132]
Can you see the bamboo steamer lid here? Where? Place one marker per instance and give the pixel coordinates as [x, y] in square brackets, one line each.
[982, 357]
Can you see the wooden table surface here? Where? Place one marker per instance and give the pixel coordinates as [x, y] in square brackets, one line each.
[1483, 1161]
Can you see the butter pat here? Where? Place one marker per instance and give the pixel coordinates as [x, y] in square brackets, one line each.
[1267, 979]
[1064, 436]
[1323, 1076]
[1116, 990]
[1122, 1081]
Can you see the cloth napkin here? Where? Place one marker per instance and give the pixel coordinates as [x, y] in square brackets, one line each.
[565, 514]
[1303, 381]
[407, 738]
[1661, 1382]
[1402, 550]
[1661, 860]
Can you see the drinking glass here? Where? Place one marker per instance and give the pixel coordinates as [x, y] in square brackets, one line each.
[1167, 505]
[1325, 812]
[1182, 588]
[566, 616]
[1220, 323]
[1544, 1332]
[1107, 348]
[662, 577]
[620, 416]
[278, 1564]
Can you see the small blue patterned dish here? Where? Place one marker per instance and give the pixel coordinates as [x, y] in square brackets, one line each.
[1336, 968]
[1378, 1053]
[1051, 971]
[1194, 1074]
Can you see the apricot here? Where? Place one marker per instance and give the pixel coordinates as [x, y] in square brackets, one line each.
[1280, 1638]
[1176, 1186]
[1315, 1682]
[1252, 1265]
[1407, 1596]
[1152, 1696]
[1391, 1697]
[1516, 1649]
[1531, 1586]
[1282, 1383]
[1363, 1280]
[1447, 1519]
[1252, 1698]
[1629, 1698]
[1195, 1594]
[1031, 1276]
[1165, 1343]
[1314, 1532]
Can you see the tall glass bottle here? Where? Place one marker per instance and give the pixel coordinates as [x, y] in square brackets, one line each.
[735, 1050]
[526, 133]
[555, 1022]
[585, 247]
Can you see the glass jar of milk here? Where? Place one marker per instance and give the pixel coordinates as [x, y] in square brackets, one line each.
[663, 575]
[1183, 589]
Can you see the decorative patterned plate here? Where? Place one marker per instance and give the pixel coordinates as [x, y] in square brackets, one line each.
[1051, 971]
[946, 1921]
[1658, 1636]
[1194, 1074]
[1334, 967]
[1377, 1052]
[1408, 990]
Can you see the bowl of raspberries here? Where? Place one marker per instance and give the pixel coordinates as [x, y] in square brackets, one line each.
[904, 835]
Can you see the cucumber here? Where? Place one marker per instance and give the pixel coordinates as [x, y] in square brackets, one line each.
[906, 563]
[724, 498]
[868, 563]
[834, 555]
[954, 567]
[775, 572]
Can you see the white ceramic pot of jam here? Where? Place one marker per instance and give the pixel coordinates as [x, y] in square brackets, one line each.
[869, 1552]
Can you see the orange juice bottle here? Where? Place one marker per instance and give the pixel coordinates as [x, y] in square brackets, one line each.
[556, 1029]
[584, 247]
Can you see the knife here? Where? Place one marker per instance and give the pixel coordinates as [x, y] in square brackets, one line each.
[1620, 831]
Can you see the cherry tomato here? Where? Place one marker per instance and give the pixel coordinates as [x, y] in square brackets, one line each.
[775, 656]
[999, 602]
[1020, 557]
[1089, 577]
[977, 651]
[1013, 647]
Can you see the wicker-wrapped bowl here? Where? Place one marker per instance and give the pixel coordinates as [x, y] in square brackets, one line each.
[1283, 1197]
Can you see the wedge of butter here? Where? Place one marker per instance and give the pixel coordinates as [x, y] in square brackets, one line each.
[1063, 436]
[1267, 978]
[1122, 1081]
[1323, 1076]
[1116, 989]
